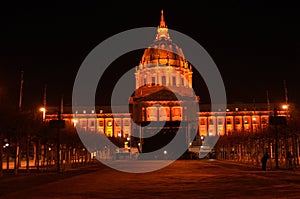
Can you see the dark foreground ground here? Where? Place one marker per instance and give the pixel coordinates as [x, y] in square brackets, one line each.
[186, 179]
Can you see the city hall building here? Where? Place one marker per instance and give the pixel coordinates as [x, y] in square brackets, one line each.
[159, 74]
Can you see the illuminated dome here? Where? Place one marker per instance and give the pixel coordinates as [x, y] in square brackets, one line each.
[163, 51]
[163, 66]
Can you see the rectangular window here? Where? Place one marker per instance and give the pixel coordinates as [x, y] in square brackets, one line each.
[153, 80]
[109, 123]
[228, 121]
[101, 123]
[163, 80]
[126, 122]
[118, 122]
[182, 81]
[174, 81]
[202, 121]
[220, 121]
[254, 120]
[176, 113]
[237, 121]
[145, 81]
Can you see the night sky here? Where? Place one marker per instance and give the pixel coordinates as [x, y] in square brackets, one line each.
[255, 44]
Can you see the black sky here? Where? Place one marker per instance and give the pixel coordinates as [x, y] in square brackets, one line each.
[255, 44]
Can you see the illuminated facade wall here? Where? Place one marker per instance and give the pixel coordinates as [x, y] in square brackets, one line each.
[163, 65]
[209, 123]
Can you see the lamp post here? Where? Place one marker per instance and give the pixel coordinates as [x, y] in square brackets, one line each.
[277, 121]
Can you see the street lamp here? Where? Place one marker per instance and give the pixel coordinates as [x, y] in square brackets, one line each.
[285, 107]
[43, 109]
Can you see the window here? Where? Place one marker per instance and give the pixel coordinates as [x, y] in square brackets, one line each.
[92, 123]
[228, 121]
[182, 81]
[126, 122]
[174, 81]
[211, 121]
[145, 81]
[254, 120]
[264, 120]
[237, 121]
[153, 80]
[101, 123]
[202, 121]
[220, 121]
[163, 80]
[118, 122]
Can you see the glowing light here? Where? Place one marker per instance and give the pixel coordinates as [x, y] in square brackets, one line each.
[43, 109]
[285, 106]
[75, 121]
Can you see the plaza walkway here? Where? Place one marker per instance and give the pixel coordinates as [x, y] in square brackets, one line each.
[181, 179]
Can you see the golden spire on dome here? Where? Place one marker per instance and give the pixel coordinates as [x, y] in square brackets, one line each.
[162, 20]
[162, 31]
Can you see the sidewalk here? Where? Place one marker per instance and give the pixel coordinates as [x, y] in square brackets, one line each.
[25, 180]
[252, 166]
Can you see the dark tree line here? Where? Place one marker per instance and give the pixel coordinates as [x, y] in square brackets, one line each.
[25, 137]
[249, 147]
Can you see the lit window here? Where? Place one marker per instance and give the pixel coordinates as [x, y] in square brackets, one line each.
[264, 120]
[101, 123]
[202, 121]
[126, 122]
[254, 120]
[228, 121]
[220, 121]
[84, 111]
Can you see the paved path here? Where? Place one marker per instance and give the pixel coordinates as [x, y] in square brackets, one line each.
[188, 179]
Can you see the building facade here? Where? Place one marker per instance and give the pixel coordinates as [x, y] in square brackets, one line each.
[162, 76]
